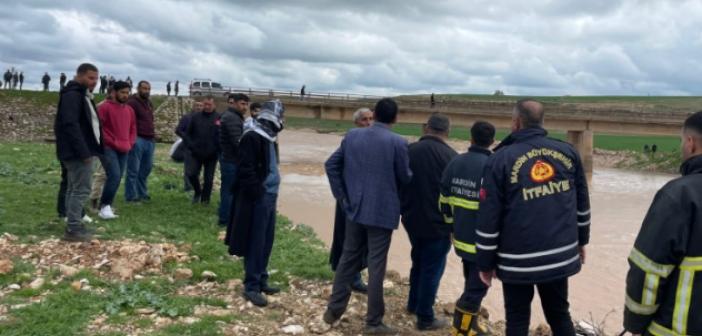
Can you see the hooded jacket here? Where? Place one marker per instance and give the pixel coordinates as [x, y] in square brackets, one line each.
[118, 125]
[74, 125]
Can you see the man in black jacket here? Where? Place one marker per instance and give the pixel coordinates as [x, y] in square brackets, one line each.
[231, 128]
[459, 202]
[62, 81]
[664, 284]
[424, 223]
[534, 221]
[202, 140]
[78, 140]
[180, 131]
[45, 81]
[251, 231]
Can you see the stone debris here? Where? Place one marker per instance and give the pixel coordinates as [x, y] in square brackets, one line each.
[209, 275]
[6, 266]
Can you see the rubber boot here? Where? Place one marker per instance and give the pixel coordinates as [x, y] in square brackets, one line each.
[466, 323]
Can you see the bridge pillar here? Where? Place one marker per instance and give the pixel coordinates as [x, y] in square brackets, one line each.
[583, 142]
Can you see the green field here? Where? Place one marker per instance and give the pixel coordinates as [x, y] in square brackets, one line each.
[602, 141]
[29, 180]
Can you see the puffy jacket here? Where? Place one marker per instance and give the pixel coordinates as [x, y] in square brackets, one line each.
[232, 126]
[118, 125]
[664, 283]
[535, 210]
[460, 198]
[73, 126]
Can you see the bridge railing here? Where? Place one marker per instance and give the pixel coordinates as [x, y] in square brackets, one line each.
[286, 94]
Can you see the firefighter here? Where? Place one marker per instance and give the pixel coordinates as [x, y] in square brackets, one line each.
[664, 283]
[534, 221]
[459, 203]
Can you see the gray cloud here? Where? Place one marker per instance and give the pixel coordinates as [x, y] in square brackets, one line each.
[538, 47]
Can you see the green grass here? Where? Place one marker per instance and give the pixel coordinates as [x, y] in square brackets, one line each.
[602, 141]
[29, 179]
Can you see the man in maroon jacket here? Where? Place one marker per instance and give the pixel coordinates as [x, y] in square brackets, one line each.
[119, 135]
[141, 157]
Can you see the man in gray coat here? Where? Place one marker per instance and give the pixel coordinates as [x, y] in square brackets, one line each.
[365, 174]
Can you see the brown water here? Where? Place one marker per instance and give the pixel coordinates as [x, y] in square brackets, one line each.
[619, 203]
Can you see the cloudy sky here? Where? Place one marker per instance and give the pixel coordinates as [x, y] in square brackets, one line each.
[538, 47]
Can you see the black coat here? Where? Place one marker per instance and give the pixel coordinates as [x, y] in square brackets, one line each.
[534, 210]
[73, 125]
[420, 198]
[232, 126]
[253, 162]
[202, 135]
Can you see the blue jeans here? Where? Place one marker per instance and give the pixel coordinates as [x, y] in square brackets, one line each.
[428, 264]
[139, 164]
[114, 163]
[260, 243]
[226, 194]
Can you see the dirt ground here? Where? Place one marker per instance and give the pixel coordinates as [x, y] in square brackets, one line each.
[619, 202]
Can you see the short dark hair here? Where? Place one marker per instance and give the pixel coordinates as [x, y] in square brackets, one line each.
[482, 133]
[255, 106]
[119, 85]
[238, 97]
[694, 123]
[531, 112]
[85, 67]
[385, 111]
[208, 97]
[143, 82]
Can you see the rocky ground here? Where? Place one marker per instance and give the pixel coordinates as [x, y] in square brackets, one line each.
[295, 311]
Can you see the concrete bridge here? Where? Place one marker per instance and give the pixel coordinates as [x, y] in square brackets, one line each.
[578, 121]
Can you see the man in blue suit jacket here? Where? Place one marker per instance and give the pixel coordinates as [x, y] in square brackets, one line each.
[365, 174]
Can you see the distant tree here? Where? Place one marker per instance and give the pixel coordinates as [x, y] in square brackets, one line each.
[498, 93]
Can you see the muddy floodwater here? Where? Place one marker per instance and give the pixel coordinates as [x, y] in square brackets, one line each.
[619, 203]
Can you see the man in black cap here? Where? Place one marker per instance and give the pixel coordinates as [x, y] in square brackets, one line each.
[430, 239]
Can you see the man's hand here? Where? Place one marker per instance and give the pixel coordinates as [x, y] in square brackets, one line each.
[583, 254]
[486, 277]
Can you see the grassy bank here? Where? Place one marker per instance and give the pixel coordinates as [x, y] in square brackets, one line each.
[29, 178]
[41, 98]
[632, 143]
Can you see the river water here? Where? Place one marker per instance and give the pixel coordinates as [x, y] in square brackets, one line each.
[619, 202]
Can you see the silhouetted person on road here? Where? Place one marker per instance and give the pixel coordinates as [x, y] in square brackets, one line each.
[302, 92]
[168, 88]
[433, 101]
[176, 88]
[45, 80]
[7, 77]
[15, 80]
[21, 80]
[62, 81]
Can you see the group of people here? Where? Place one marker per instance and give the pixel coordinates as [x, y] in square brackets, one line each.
[175, 88]
[96, 143]
[519, 212]
[13, 79]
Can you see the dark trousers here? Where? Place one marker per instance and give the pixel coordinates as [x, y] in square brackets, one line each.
[140, 161]
[474, 290]
[554, 302]
[226, 191]
[61, 197]
[114, 164]
[78, 178]
[359, 239]
[193, 166]
[260, 245]
[428, 264]
[337, 246]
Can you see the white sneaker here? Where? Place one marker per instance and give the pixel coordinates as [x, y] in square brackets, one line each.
[106, 213]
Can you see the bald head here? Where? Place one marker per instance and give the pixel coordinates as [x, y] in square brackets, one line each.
[527, 113]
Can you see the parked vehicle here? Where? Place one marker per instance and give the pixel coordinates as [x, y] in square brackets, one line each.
[203, 87]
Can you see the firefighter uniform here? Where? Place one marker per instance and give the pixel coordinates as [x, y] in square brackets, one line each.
[459, 203]
[534, 215]
[664, 283]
